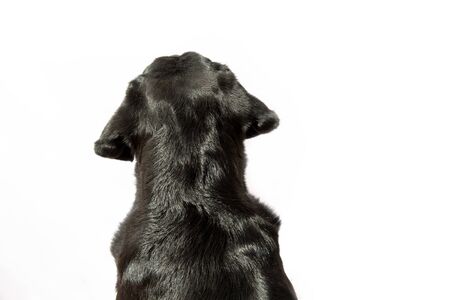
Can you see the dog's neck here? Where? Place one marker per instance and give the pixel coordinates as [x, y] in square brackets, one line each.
[171, 168]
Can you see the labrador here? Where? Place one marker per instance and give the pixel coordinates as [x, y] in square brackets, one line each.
[194, 231]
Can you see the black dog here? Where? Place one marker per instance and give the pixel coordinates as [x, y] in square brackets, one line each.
[194, 231]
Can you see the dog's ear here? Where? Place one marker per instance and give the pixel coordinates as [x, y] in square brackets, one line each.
[261, 118]
[118, 137]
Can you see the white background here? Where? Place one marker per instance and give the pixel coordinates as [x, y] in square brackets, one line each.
[359, 169]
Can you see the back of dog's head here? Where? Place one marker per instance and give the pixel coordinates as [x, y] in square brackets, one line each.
[187, 94]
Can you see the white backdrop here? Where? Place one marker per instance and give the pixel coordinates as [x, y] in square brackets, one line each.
[359, 169]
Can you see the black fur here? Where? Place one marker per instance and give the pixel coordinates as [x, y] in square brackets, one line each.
[194, 231]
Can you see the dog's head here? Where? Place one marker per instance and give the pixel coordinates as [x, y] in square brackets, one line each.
[189, 91]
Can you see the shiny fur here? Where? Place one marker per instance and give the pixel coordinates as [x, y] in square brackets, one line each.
[194, 231]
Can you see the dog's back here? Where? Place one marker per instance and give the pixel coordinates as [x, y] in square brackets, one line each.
[193, 256]
[194, 232]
